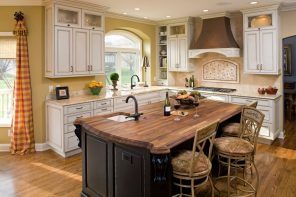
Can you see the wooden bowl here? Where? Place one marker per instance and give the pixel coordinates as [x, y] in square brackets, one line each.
[261, 90]
[271, 91]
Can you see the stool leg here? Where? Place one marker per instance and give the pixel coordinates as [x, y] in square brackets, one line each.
[257, 177]
[192, 188]
[228, 178]
[212, 186]
[181, 194]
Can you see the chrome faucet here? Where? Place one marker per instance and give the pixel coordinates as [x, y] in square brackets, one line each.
[136, 115]
[132, 85]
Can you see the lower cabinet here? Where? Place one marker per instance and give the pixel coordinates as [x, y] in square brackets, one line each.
[111, 169]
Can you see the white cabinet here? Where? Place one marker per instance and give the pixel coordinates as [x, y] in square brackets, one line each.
[74, 40]
[261, 41]
[59, 123]
[270, 108]
[96, 52]
[63, 51]
[173, 54]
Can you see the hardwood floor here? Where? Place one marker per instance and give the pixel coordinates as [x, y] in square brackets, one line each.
[47, 174]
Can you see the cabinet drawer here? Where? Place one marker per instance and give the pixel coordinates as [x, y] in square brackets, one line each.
[104, 110]
[245, 101]
[120, 102]
[71, 141]
[77, 108]
[148, 96]
[265, 130]
[69, 119]
[267, 112]
[102, 104]
[68, 128]
[215, 97]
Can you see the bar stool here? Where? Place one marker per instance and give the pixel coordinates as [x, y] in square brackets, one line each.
[234, 129]
[238, 153]
[192, 168]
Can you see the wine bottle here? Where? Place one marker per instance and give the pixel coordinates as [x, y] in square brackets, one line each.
[167, 106]
[193, 82]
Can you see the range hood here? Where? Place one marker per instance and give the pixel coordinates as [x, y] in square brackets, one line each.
[216, 37]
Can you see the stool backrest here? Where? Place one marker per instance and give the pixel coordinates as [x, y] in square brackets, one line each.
[253, 104]
[202, 136]
[251, 122]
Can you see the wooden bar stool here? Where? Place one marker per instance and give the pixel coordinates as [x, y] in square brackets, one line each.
[238, 153]
[234, 129]
[192, 168]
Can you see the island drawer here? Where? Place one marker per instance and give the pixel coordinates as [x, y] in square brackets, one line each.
[246, 100]
[265, 130]
[102, 104]
[216, 97]
[267, 112]
[71, 141]
[71, 118]
[104, 110]
[68, 128]
[77, 108]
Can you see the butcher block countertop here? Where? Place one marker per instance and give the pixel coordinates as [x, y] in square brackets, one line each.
[154, 131]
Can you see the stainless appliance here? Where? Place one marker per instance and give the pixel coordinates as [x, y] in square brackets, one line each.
[213, 89]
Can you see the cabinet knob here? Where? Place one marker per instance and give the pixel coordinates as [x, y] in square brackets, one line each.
[68, 25]
[72, 69]
[93, 28]
[91, 68]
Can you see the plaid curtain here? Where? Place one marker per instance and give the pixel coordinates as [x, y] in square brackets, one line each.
[22, 140]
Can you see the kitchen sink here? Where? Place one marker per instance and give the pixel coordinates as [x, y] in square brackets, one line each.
[121, 118]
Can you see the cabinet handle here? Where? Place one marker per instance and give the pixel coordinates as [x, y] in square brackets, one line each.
[257, 66]
[88, 69]
[91, 68]
[103, 103]
[71, 69]
[79, 107]
[79, 117]
[68, 25]
[104, 109]
[93, 28]
[260, 66]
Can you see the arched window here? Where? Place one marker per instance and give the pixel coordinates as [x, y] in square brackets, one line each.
[122, 55]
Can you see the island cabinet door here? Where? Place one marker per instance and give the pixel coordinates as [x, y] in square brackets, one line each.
[95, 166]
[128, 173]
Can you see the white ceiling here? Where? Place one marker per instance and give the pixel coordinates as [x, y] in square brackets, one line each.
[159, 9]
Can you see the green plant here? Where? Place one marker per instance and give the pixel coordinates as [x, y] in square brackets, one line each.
[114, 77]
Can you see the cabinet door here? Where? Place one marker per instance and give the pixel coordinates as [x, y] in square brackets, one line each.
[251, 52]
[92, 20]
[182, 49]
[81, 51]
[268, 51]
[96, 52]
[173, 54]
[67, 16]
[63, 51]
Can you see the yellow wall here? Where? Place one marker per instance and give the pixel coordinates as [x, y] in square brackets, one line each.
[34, 16]
[288, 24]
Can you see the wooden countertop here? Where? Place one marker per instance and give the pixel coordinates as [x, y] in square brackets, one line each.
[156, 132]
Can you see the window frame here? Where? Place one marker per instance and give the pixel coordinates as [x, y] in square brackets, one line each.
[118, 50]
[6, 124]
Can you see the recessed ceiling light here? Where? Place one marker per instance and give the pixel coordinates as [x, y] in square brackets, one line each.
[124, 13]
[253, 2]
[205, 10]
[137, 9]
[168, 16]
[145, 17]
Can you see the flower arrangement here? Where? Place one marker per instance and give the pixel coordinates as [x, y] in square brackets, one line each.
[95, 87]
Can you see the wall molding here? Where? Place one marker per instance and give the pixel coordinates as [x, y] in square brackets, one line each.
[129, 18]
[21, 3]
[38, 146]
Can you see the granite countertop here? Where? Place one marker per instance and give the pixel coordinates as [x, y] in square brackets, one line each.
[108, 94]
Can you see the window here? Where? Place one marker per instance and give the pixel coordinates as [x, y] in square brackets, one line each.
[122, 55]
[7, 77]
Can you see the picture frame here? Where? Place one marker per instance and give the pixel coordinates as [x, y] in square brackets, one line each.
[287, 60]
[62, 92]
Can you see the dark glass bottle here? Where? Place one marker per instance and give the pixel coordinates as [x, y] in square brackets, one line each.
[167, 106]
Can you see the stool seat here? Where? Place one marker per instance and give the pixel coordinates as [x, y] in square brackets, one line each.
[232, 129]
[233, 146]
[181, 163]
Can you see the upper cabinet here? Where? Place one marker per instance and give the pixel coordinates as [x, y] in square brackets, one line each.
[74, 40]
[262, 43]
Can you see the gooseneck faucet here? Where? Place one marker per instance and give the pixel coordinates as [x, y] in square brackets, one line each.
[136, 115]
[132, 85]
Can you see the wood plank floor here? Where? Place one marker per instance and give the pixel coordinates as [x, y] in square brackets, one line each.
[47, 174]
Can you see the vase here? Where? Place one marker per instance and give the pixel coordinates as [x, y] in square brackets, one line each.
[95, 91]
[114, 84]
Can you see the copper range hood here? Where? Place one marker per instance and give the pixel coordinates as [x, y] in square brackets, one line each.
[216, 37]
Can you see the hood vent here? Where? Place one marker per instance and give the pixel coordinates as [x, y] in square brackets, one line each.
[216, 37]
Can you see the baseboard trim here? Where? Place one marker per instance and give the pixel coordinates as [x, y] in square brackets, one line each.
[38, 146]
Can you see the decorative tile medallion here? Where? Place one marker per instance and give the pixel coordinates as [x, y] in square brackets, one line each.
[220, 70]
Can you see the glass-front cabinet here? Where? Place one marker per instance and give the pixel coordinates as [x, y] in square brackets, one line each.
[263, 20]
[92, 20]
[67, 16]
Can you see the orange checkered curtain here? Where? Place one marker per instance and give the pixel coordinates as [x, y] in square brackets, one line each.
[22, 140]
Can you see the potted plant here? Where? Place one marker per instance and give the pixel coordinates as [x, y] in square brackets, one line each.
[95, 87]
[114, 78]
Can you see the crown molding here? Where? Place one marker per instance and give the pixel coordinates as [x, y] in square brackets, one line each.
[21, 3]
[215, 15]
[130, 18]
[262, 8]
[285, 7]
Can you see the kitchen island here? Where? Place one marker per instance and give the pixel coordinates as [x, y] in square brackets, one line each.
[132, 158]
